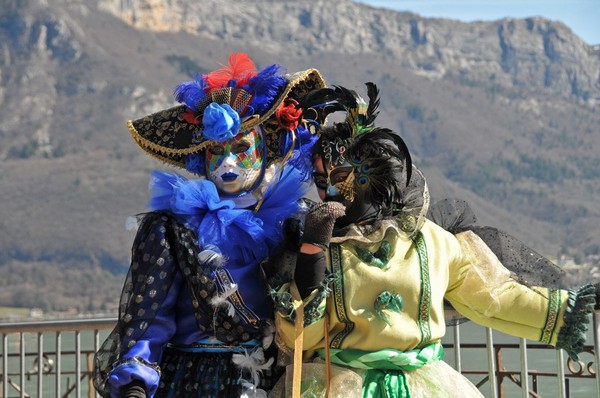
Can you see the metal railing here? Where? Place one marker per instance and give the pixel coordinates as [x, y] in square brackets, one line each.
[49, 365]
[66, 371]
[497, 376]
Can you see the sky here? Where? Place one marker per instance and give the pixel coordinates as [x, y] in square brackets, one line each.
[582, 16]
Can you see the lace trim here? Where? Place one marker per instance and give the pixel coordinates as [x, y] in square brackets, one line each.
[578, 314]
[137, 361]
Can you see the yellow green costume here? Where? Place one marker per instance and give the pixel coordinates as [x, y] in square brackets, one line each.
[387, 292]
[387, 269]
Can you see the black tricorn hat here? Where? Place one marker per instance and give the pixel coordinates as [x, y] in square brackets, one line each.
[171, 134]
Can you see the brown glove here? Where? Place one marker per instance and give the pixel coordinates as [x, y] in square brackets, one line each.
[318, 224]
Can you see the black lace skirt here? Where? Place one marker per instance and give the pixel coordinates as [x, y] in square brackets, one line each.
[207, 375]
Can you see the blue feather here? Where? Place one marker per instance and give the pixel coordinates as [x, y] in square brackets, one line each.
[191, 93]
[302, 155]
[219, 222]
[265, 87]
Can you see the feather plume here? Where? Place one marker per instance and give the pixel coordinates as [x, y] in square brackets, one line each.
[320, 103]
[302, 156]
[389, 165]
[250, 391]
[191, 93]
[360, 116]
[221, 299]
[132, 222]
[212, 258]
[372, 109]
[265, 86]
[268, 334]
[253, 362]
[240, 69]
[324, 97]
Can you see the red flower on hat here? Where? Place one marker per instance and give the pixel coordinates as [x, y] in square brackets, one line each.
[191, 117]
[288, 114]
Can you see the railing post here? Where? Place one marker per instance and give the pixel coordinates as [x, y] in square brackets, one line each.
[78, 363]
[491, 363]
[40, 358]
[5, 365]
[22, 363]
[96, 348]
[58, 363]
[524, 369]
[597, 350]
[457, 363]
[560, 359]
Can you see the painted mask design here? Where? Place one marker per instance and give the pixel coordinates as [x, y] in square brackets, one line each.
[235, 165]
[338, 177]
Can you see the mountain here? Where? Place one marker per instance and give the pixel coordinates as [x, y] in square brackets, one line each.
[502, 114]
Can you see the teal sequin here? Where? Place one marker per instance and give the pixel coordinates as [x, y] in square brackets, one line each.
[387, 301]
[378, 259]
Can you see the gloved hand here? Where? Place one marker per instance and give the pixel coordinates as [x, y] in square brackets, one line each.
[318, 228]
[318, 224]
[135, 389]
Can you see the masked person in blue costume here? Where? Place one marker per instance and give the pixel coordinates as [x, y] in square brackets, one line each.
[372, 273]
[194, 317]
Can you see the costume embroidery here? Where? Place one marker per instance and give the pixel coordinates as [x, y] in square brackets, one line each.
[425, 297]
[552, 317]
[224, 278]
[338, 292]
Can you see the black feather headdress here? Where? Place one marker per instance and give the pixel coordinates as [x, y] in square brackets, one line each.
[360, 115]
[382, 166]
[381, 160]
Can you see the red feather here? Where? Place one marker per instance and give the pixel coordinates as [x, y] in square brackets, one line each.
[241, 68]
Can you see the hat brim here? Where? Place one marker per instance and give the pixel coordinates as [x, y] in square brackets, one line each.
[168, 137]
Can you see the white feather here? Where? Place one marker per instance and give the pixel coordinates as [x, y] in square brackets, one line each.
[254, 362]
[269, 334]
[221, 299]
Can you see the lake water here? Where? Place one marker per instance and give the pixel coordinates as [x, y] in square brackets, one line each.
[471, 359]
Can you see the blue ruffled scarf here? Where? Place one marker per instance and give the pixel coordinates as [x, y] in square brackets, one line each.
[242, 236]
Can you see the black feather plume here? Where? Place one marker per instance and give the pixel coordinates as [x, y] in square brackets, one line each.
[383, 166]
[372, 110]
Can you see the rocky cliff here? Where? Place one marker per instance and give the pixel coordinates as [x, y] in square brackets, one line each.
[532, 53]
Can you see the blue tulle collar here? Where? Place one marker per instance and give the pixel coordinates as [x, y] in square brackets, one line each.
[240, 234]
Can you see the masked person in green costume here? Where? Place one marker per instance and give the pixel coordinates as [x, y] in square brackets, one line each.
[373, 272]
